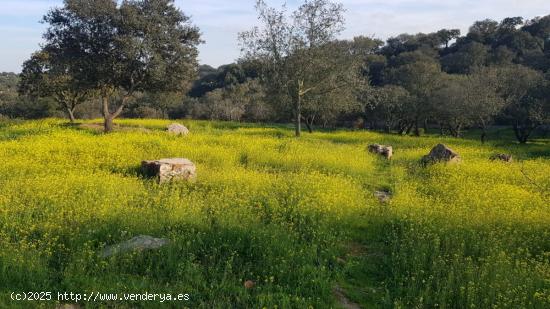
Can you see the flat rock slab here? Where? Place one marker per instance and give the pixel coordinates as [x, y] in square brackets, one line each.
[166, 170]
[441, 153]
[138, 243]
[502, 157]
[383, 150]
[177, 129]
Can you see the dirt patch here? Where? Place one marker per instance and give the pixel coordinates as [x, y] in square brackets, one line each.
[98, 127]
[355, 250]
[343, 300]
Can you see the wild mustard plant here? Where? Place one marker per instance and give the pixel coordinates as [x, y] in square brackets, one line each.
[281, 211]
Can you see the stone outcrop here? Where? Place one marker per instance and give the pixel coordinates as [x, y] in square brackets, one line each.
[138, 243]
[166, 170]
[502, 157]
[177, 129]
[383, 150]
[441, 153]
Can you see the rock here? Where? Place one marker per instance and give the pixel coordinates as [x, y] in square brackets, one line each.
[383, 196]
[248, 284]
[67, 306]
[138, 243]
[502, 157]
[169, 169]
[177, 129]
[441, 153]
[385, 151]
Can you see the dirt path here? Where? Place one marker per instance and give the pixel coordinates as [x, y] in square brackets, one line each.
[364, 263]
[343, 300]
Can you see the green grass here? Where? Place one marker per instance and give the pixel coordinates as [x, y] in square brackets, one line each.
[297, 216]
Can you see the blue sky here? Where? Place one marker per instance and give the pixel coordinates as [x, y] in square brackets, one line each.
[221, 20]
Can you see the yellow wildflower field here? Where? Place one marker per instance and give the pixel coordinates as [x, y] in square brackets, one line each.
[298, 217]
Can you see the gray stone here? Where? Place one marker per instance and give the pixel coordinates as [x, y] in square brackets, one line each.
[383, 196]
[178, 129]
[502, 157]
[166, 170]
[441, 153]
[67, 306]
[138, 243]
[384, 150]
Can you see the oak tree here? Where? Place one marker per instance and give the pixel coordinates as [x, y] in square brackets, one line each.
[121, 49]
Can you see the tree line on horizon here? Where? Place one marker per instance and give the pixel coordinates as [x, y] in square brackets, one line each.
[139, 59]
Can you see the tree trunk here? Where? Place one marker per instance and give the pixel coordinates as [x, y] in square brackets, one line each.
[298, 124]
[309, 128]
[458, 131]
[70, 112]
[387, 127]
[108, 116]
[483, 135]
[108, 124]
[416, 129]
[401, 127]
[409, 128]
[453, 131]
[426, 126]
[309, 123]
[522, 133]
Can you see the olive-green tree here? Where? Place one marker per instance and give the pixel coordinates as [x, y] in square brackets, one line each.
[41, 77]
[121, 49]
[297, 54]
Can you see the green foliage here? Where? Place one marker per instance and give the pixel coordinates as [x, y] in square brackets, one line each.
[429, 66]
[8, 92]
[225, 76]
[527, 93]
[302, 63]
[44, 77]
[121, 49]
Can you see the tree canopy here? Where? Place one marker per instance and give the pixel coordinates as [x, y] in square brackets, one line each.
[121, 49]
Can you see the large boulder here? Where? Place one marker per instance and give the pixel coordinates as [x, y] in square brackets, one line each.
[383, 150]
[138, 243]
[166, 170]
[441, 153]
[502, 157]
[177, 129]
